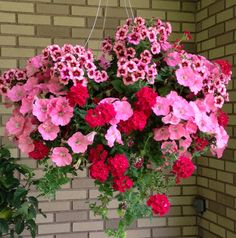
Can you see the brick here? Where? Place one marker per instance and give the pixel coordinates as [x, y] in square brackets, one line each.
[188, 210]
[17, 29]
[71, 216]
[225, 15]
[189, 6]
[216, 30]
[180, 16]
[85, 11]
[7, 17]
[217, 208]
[166, 232]
[201, 15]
[166, 5]
[55, 206]
[231, 213]
[83, 183]
[8, 63]
[225, 39]
[205, 3]
[202, 36]
[227, 223]
[138, 233]
[218, 6]
[210, 21]
[62, 41]
[33, 19]
[145, 222]
[217, 230]
[231, 235]
[11, 6]
[151, 13]
[190, 231]
[217, 53]
[136, 4]
[52, 9]
[73, 235]
[230, 49]
[189, 190]
[88, 226]
[76, 2]
[225, 177]
[216, 164]
[182, 221]
[111, 23]
[208, 44]
[53, 31]
[182, 200]
[231, 190]
[17, 52]
[207, 193]
[209, 173]
[111, 3]
[7, 40]
[68, 195]
[41, 219]
[211, 216]
[31, 41]
[84, 33]
[54, 228]
[69, 21]
[175, 191]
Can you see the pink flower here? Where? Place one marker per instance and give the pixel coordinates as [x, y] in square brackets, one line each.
[60, 111]
[184, 75]
[48, 130]
[15, 125]
[191, 127]
[17, 93]
[177, 131]
[169, 147]
[222, 137]
[113, 135]
[61, 156]
[162, 106]
[26, 105]
[25, 143]
[40, 108]
[134, 38]
[161, 133]
[171, 119]
[79, 142]
[172, 59]
[184, 144]
[182, 109]
[156, 48]
[123, 111]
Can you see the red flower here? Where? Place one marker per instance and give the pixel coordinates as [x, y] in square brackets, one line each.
[188, 35]
[118, 165]
[97, 154]
[139, 120]
[122, 184]
[99, 171]
[139, 163]
[78, 95]
[183, 168]
[159, 204]
[223, 118]
[200, 143]
[225, 66]
[40, 151]
[146, 100]
[101, 115]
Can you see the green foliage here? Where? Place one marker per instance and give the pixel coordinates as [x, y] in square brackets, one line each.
[17, 209]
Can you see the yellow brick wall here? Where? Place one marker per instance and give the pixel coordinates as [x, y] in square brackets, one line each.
[27, 26]
[216, 180]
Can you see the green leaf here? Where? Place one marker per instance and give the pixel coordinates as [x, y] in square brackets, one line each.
[118, 85]
[3, 226]
[19, 195]
[19, 226]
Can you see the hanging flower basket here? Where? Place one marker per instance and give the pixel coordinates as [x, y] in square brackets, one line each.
[135, 118]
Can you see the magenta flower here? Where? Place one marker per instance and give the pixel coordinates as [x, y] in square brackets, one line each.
[79, 142]
[61, 156]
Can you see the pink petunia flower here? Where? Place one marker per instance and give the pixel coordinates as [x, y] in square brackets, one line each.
[17, 93]
[162, 106]
[61, 156]
[40, 109]
[15, 125]
[79, 142]
[113, 135]
[48, 130]
[161, 133]
[169, 147]
[25, 143]
[177, 131]
[172, 59]
[60, 111]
